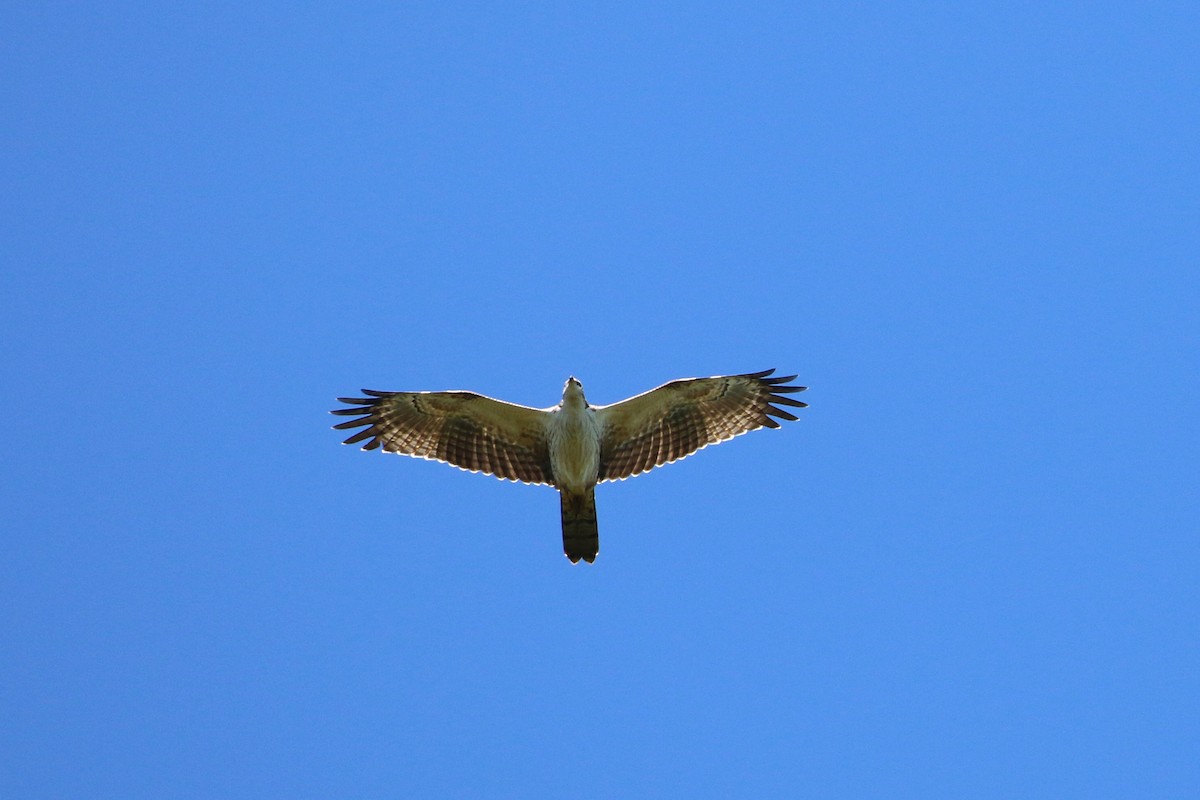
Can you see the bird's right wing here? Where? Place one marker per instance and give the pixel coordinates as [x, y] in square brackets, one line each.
[468, 430]
[681, 417]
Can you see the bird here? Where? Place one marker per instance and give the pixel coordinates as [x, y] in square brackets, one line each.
[572, 446]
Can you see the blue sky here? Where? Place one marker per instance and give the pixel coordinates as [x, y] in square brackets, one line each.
[968, 571]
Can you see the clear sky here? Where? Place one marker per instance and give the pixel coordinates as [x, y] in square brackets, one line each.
[970, 570]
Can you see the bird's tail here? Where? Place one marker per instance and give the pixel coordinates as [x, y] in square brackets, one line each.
[581, 536]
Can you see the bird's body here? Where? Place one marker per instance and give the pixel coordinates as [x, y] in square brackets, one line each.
[573, 435]
[574, 445]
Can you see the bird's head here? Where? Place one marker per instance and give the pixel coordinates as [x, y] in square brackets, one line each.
[573, 390]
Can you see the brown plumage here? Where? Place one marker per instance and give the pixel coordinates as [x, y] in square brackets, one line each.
[681, 417]
[581, 534]
[468, 430]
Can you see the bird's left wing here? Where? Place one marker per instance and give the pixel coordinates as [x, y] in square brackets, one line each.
[680, 417]
[468, 430]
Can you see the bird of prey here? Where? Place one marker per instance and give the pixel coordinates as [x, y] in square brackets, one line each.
[574, 445]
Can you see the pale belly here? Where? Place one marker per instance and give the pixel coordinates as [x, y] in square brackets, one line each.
[575, 449]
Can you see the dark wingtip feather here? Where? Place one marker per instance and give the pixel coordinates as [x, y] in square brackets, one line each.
[759, 375]
[779, 412]
[788, 401]
[363, 434]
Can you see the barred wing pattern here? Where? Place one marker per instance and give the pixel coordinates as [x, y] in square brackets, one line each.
[465, 429]
[681, 417]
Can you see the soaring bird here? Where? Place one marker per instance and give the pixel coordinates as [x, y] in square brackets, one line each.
[574, 445]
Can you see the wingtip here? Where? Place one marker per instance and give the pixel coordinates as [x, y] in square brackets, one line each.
[367, 433]
[779, 412]
[357, 401]
[787, 401]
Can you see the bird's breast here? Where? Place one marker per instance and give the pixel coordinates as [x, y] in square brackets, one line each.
[575, 448]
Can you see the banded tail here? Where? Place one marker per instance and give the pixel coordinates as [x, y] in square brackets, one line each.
[581, 536]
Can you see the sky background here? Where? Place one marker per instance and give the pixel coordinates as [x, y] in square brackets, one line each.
[970, 570]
